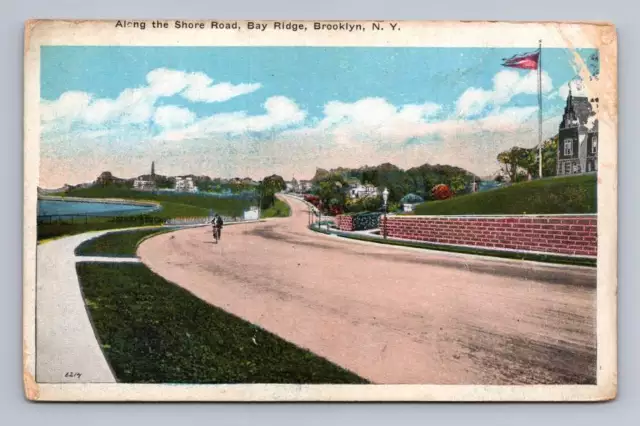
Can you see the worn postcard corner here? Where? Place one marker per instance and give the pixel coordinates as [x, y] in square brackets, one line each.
[320, 211]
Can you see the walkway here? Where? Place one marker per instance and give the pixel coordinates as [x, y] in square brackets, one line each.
[66, 347]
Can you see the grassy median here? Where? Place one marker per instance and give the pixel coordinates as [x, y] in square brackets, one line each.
[153, 331]
[279, 209]
[117, 244]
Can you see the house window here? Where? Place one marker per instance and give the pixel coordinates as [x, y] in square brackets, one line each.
[594, 145]
[568, 147]
[567, 168]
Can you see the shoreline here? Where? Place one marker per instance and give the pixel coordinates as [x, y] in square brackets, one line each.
[101, 200]
[155, 206]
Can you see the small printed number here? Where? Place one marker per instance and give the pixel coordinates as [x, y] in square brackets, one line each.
[73, 375]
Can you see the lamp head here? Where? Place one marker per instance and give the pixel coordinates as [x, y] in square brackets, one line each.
[385, 195]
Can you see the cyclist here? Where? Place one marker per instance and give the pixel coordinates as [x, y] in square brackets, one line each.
[217, 224]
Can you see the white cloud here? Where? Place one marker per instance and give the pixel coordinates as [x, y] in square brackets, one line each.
[280, 112]
[201, 89]
[577, 89]
[170, 116]
[196, 87]
[68, 107]
[473, 101]
[137, 105]
[166, 82]
[375, 113]
[506, 85]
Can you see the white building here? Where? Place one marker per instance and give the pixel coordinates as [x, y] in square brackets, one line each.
[144, 185]
[185, 185]
[363, 191]
[252, 214]
[305, 185]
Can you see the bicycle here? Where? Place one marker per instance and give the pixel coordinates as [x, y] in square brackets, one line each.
[216, 234]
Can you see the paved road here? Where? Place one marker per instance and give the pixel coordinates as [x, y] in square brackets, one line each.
[392, 315]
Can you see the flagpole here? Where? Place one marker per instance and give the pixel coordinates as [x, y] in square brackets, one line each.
[540, 109]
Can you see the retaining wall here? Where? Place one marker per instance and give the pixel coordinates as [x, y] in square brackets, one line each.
[559, 234]
[344, 223]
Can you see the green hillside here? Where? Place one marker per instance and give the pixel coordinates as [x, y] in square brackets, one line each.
[573, 194]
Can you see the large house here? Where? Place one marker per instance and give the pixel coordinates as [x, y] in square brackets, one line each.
[363, 191]
[578, 137]
[185, 184]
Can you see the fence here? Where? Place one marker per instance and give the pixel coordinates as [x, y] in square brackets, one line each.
[178, 221]
[70, 219]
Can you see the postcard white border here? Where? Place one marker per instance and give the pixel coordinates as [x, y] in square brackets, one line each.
[417, 34]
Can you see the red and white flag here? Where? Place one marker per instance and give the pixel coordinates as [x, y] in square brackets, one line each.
[526, 61]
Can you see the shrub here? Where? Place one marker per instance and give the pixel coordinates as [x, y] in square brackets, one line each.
[441, 192]
[364, 221]
[411, 199]
[366, 204]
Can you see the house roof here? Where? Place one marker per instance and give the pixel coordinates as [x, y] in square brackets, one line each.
[583, 109]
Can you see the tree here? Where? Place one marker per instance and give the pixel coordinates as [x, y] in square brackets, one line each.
[268, 188]
[332, 191]
[514, 159]
[458, 184]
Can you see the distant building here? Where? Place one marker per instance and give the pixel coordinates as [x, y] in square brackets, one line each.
[578, 137]
[185, 185]
[144, 185]
[141, 184]
[305, 185]
[292, 186]
[363, 191]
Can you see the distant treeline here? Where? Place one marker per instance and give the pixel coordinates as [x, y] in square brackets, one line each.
[416, 180]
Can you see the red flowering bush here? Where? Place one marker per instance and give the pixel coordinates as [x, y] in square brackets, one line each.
[441, 192]
[335, 210]
[313, 199]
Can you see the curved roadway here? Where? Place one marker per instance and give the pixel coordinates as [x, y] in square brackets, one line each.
[392, 315]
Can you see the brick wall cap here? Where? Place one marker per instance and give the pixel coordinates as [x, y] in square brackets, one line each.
[515, 216]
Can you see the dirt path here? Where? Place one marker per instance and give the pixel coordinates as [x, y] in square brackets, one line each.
[392, 315]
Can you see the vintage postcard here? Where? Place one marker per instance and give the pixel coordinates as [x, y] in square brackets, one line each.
[320, 211]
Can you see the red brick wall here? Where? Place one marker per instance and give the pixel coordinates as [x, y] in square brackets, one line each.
[561, 234]
[345, 223]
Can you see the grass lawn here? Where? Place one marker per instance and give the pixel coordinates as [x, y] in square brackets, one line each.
[279, 209]
[573, 194]
[116, 244]
[152, 331]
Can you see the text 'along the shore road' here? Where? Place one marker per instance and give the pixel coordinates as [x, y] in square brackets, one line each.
[329, 26]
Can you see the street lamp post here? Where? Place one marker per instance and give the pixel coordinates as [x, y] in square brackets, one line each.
[385, 197]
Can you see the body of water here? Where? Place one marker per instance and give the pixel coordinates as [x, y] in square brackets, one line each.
[89, 208]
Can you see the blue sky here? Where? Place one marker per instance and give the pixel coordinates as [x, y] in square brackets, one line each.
[258, 110]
